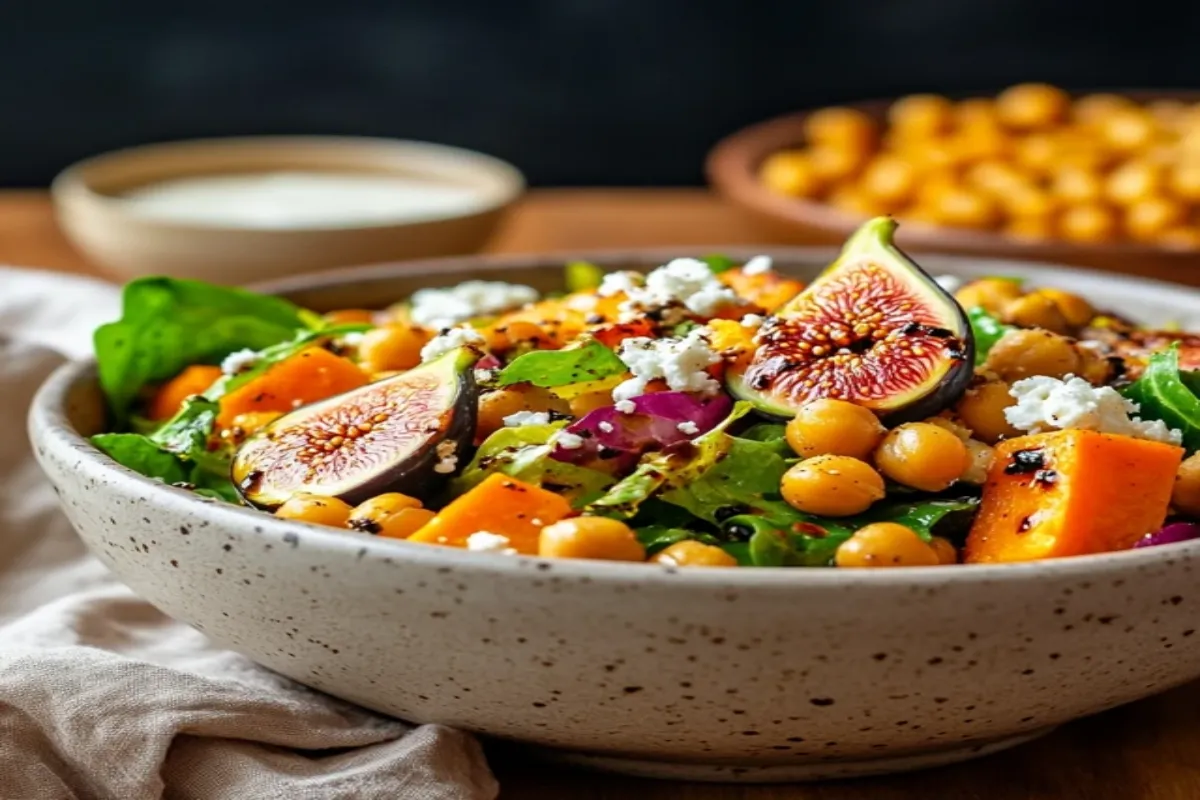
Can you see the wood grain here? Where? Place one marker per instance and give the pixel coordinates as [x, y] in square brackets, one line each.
[1146, 751]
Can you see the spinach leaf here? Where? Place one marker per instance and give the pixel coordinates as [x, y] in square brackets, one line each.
[718, 263]
[1162, 392]
[589, 362]
[581, 276]
[208, 475]
[659, 537]
[167, 324]
[987, 330]
[187, 433]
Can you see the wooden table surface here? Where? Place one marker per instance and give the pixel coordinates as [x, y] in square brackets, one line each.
[1146, 751]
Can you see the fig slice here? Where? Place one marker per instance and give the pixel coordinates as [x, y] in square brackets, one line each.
[873, 329]
[402, 434]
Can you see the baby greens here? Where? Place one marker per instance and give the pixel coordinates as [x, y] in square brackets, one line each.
[1163, 392]
[987, 329]
[547, 368]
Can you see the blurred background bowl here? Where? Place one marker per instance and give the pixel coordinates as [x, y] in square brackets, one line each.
[732, 167]
[127, 243]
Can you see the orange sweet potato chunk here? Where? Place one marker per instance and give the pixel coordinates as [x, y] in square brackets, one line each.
[1070, 493]
[499, 504]
[310, 375]
[170, 396]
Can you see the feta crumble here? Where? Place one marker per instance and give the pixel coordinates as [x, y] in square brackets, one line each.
[450, 339]
[951, 283]
[447, 459]
[352, 339]
[526, 418]
[441, 308]
[688, 427]
[681, 362]
[1045, 403]
[685, 283]
[757, 265]
[620, 283]
[625, 406]
[568, 441]
[753, 321]
[239, 361]
[488, 542]
[606, 427]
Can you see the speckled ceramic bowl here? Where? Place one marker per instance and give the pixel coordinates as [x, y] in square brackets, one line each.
[752, 674]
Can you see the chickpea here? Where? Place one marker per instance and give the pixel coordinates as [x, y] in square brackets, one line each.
[1035, 311]
[991, 294]
[392, 347]
[1028, 201]
[978, 143]
[886, 544]
[982, 410]
[995, 177]
[921, 115]
[1037, 152]
[1168, 114]
[691, 553]
[1095, 108]
[1088, 222]
[954, 426]
[834, 427]
[1128, 130]
[1148, 218]
[841, 127]
[1182, 238]
[1077, 185]
[1022, 353]
[982, 456]
[495, 405]
[790, 173]
[1031, 105]
[923, 456]
[832, 486]
[890, 180]
[832, 164]
[1079, 312]
[590, 537]
[385, 515]
[966, 208]
[976, 113]
[853, 200]
[946, 552]
[315, 509]
[934, 186]
[1185, 497]
[1184, 180]
[1133, 181]
[1030, 228]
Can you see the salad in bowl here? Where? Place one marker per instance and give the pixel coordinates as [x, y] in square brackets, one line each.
[707, 413]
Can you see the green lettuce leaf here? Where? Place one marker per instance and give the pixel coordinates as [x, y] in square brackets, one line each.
[718, 263]
[1163, 392]
[582, 276]
[987, 330]
[547, 368]
[659, 537]
[167, 324]
[207, 475]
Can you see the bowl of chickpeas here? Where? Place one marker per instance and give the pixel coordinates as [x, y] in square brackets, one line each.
[1108, 180]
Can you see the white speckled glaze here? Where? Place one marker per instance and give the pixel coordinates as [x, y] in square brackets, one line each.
[753, 674]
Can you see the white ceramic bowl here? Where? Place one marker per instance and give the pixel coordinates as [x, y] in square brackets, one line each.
[749, 674]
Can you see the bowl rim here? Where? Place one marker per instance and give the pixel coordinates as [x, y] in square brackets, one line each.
[730, 167]
[71, 186]
[50, 427]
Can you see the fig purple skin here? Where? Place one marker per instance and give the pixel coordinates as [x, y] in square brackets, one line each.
[407, 433]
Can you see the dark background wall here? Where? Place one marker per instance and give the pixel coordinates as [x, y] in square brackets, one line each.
[618, 92]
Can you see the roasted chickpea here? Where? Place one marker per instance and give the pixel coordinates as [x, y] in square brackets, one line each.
[1026, 201]
[1184, 180]
[1030, 228]
[982, 456]
[886, 544]
[1128, 130]
[853, 200]
[1021, 353]
[1077, 185]
[691, 553]
[1185, 497]
[497, 404]
[946, 552]
[1148, 218]
[1133, 181]
[923, 456]
[980, 143]
[1088, 222]
[1031, 105]
[1035, 311]
[954, 426]
[1038, 152]
[790, 173]
[832, 164]
[315, 509]
[966, 208]
[590, 537]
[1181, 238]
[834, 427]
[976, 113]
[832, 486]
[392, 347]
[982, 410]
[991, 294]
[1079, 312]
[1168, 114]
[1094, 109]
[385, 515]
[889, 180]
[995, 177]
[921, 115]
[841, 127]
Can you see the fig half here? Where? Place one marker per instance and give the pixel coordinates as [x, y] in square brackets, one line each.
[400, 434]
[873, 329]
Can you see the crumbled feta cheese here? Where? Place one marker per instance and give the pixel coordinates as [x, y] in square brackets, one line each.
[582, 302]
[752, 321]
[1045, 403]
[441, 308]
[757, 265]
[447, 459]
[568, 441]
[352, 339]
[681, 362]
[625, 406]
[620, 283]
[606, 427]
[488, 542]
[688, 427]
[685, 284]
[239, 361]
[951, 283]
[486, 375]
[450, 339]
[526, 418]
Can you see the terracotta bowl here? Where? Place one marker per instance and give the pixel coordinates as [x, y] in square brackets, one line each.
[732, 169]
[737, 674]
[87, 197]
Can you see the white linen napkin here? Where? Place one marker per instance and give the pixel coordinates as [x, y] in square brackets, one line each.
[103, 697]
